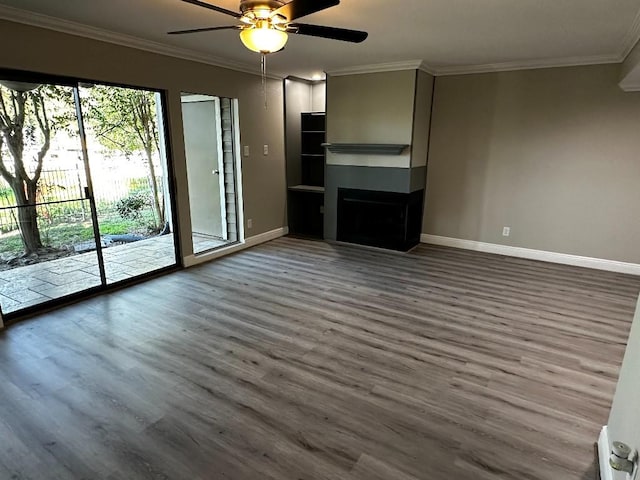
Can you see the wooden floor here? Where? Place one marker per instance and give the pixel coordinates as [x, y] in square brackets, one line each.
[304, 360]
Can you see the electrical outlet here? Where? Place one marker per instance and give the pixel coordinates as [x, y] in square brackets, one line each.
[249, 223]
[506, 231]
[265, 149]
[246, 150]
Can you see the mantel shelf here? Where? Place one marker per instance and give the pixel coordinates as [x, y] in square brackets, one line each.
[365, 148]
[307, 189]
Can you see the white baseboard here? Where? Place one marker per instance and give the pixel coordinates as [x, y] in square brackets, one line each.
[552, 257]
[606, 472]
[192, 260]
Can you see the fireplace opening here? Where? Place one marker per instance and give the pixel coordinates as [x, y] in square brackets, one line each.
[380, 219]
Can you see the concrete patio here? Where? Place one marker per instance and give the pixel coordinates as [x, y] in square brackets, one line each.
[33, 284]
[203, 243]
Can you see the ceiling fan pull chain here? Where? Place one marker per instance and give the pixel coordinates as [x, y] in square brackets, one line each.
[263, 71]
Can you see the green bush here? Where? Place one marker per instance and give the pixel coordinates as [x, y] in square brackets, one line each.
[130, 208]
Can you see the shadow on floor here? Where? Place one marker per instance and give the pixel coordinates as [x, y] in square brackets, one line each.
[593, 472]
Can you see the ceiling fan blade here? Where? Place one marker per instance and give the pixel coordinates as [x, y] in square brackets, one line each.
[355, 36]
[301, 8]
[213, 7]
[206, 29]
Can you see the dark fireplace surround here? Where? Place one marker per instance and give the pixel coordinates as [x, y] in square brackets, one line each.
[380, 219]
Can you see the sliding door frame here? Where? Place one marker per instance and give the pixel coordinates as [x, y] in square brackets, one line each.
[75, 83]
[89, 189]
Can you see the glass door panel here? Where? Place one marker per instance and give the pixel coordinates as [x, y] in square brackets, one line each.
[129, 178]
[47, 241]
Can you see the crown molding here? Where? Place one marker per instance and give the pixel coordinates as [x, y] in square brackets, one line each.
[426, 68]
[526, 65]
[73, 28]
[439, 71]
[631, 83]
[631, 38]
[630, 88]
[382, 67]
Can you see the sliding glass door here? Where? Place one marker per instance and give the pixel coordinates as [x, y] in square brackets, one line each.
[47, 239]
[84, 196]
[128, 164]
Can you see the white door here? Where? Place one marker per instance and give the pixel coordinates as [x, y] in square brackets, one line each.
[203, 148]
[624, 420]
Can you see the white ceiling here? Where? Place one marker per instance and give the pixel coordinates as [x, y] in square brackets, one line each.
[450, 36]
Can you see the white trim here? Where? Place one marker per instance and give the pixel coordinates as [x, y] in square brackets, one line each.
[382, 67]
[631, 38]
[527, 65]
[519, 252]
[193, 260]
[222, 188]
[604, 447]
[237, 152]
[630, 87]
[196, 98]
[439, 71]
[73, 28]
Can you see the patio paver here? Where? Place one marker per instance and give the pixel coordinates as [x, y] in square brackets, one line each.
[32, 284]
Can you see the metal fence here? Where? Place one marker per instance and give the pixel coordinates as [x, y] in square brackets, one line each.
[57, 189]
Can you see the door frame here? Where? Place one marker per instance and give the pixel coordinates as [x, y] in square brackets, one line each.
[235, 170]
[221, 172]
[166, 147]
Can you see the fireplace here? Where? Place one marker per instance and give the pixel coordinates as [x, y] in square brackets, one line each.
[380, 219]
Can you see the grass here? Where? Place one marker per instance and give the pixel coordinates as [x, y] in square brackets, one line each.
[65, 234]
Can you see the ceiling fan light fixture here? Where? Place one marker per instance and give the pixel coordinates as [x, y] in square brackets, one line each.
[262, 13]
[264, 39]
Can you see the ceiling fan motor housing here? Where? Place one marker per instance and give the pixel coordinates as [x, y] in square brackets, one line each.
[268, 22]
[253, 5]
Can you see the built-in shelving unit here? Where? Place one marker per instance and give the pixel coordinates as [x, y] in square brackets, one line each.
[306, 200]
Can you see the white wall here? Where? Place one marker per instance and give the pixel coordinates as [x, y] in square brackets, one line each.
[371, 108]
[421, 119]
[319, 97]
[552, 153]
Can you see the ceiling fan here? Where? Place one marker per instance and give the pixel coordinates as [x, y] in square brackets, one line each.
[265, 24]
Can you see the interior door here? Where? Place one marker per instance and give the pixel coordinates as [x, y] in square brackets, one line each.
[624, 420]
[209, 169]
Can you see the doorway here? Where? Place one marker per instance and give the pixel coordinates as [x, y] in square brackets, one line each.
[78, 210]
[209, 134]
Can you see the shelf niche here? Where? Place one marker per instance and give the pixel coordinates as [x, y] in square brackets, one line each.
[305, 124]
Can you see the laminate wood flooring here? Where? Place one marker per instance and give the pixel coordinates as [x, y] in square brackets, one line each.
[306, 360]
